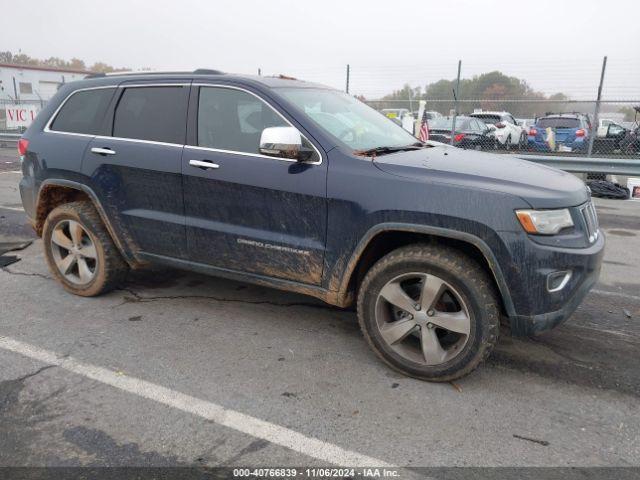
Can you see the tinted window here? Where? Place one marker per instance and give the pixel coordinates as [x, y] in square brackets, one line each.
[231, 119]
[152, 113]
[83, 112]
[445, 123]
[558, 122]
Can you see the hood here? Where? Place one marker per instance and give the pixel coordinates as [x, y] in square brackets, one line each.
[538, 185]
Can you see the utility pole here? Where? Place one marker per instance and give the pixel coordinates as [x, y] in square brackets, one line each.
[596, 112]
[348, 72]
[455, 104]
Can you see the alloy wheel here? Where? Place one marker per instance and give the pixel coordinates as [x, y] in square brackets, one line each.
[422, 318]
[74, 252]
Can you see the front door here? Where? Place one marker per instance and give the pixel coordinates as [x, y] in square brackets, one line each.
[246, 211]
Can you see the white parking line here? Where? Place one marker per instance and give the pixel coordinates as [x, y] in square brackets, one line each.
[11, 171]
[241, 422]
[17, 209]
[615, 294]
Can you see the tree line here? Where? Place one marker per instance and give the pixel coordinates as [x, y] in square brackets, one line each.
[56, 62]
[489, 91]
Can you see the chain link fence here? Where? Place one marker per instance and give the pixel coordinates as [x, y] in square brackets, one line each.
[561, 108]
[555, 108]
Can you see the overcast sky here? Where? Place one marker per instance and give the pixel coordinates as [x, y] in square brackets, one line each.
[555, 45]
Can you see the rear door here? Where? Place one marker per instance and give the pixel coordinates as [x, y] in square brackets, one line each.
[135, 169]
[249, 212]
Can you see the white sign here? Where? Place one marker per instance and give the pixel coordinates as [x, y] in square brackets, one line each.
[20, 115]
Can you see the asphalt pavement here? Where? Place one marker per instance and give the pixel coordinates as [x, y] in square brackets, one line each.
[179, 369]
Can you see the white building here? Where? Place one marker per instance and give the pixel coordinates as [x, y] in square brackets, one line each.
[25, 89]
[33, 83]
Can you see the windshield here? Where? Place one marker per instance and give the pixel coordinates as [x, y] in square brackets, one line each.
[558, 122]
[347, 119]
[489, 119]
[444, 123]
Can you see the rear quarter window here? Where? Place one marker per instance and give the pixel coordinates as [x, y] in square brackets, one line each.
[152, 113]
[83, 112]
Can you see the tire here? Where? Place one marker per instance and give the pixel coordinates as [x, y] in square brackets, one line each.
[522, 144]
[507, 143]
[457, 272]
[104, 266]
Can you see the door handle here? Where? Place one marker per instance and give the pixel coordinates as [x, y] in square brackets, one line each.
[103, 151]
[205, 164]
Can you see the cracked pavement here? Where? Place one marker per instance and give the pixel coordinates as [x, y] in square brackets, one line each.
[568, 398]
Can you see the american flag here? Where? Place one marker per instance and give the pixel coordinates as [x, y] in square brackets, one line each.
[424, 128]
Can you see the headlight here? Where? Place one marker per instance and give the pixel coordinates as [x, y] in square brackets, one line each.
[544, 222]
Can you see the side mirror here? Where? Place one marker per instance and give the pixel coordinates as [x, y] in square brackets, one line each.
[283, 142]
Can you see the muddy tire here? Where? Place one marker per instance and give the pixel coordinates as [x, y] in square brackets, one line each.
[429, 312]
[80, 252]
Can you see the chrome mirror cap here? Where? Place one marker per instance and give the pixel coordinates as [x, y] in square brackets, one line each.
[284, 142]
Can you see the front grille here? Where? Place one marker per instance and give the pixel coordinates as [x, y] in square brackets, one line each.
[591, 221]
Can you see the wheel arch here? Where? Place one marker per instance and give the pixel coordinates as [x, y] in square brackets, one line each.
[55, 192]
[384, 238]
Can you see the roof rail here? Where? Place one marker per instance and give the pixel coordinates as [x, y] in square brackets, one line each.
[199, 71]
[207, 71]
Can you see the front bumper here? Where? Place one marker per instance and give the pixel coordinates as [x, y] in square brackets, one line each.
[551, 309]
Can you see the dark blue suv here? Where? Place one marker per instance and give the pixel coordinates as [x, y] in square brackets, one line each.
[297, 186]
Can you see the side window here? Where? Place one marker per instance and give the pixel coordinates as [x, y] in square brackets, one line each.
[158, 114]
[83, 112]
[230, 119]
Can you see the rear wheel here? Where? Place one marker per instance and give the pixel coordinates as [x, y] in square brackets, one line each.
[507, 143]
[522, 144]
[80, 252]
[429, 312]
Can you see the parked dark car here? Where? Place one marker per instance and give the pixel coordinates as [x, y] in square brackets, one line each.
[300, 187]
[630, 143]
[471, 133]
[612, 141]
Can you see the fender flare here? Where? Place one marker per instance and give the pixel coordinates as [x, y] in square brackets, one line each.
[60, 182]
[477, 242]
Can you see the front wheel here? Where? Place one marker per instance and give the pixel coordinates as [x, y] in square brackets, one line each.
[429, 312]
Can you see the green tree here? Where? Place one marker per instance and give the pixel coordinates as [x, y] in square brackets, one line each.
[489, 91]
[406, 97]
[629, 113]
[55, 62]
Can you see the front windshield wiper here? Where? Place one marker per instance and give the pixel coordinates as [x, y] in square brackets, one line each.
[383, 150]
